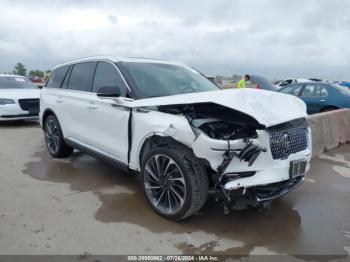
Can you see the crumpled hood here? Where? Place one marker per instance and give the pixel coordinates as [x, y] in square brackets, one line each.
[267, 107]
[20, 93]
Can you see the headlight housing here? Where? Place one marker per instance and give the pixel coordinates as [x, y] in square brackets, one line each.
[6, 101]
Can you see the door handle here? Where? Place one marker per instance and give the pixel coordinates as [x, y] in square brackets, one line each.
[59, 101]
[322, 100]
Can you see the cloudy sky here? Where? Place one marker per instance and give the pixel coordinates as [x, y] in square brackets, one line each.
[275, 38]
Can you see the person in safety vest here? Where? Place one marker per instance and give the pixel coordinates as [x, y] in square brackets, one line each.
[243, 82]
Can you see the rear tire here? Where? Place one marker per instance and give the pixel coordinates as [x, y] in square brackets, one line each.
[328, 108]
[174, 181]
[54, 138]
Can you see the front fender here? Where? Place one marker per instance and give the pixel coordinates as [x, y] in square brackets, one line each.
[149, 123]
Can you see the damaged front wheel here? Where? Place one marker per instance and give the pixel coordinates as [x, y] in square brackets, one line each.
[175, 182]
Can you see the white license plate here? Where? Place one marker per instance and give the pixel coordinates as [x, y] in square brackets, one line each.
[297, 168]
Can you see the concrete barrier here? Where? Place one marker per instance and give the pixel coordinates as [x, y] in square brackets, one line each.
[329, 130]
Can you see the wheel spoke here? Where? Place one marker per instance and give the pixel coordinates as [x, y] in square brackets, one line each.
[178, 196]
[151, 173]
[179, 179]
[152, 187]
[170, 162]
[158, 165]
[169, 201]
[160, 198]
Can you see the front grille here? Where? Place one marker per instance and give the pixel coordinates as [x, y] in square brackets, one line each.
[284, 142]
[31, 104]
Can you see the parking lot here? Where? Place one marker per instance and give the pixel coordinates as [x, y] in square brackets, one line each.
[82, 205]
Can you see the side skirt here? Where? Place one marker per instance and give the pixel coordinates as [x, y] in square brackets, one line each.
[98, 154]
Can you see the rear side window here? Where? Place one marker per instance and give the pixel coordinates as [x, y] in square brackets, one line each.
[57, 77]
[107, 75]
[315, 91]
[81, 76]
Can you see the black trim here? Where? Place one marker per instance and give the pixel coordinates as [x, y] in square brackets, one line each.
[93, 77]
[129, 134]
[129, 80]
[67, 76]
[118, 164]
[21, 115]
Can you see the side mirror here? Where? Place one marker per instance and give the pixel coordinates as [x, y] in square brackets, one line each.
[108, 91]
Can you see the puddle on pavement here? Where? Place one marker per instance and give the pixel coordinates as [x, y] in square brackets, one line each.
[122, 200]
[341, 165]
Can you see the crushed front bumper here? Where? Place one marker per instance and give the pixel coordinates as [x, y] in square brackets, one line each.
[265, 170]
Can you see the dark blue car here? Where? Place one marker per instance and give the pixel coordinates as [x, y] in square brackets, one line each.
[320, 97]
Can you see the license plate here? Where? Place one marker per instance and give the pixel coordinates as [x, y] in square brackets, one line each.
[297, 168]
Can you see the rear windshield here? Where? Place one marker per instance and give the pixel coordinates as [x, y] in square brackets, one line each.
[15, 83]
[342, 89]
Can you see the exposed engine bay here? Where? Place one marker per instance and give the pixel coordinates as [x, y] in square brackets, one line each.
[218, 122]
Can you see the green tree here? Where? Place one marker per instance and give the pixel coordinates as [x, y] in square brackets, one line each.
[20, 69]
[36, 72]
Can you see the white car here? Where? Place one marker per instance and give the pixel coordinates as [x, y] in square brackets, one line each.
[183, 135]
[293, 81]
[19, 98]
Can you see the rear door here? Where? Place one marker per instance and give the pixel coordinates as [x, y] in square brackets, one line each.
[51, 95]
[315, 96]
[75, 100]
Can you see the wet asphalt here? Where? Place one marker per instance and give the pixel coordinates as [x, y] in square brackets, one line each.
[81, 204]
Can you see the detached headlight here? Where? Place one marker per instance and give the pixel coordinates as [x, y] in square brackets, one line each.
[6, 101]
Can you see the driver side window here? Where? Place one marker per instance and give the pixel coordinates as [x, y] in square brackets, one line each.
[292, 90]
[107, 76]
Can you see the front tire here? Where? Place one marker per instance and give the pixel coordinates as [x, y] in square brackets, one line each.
[174, 181]
[54, 138]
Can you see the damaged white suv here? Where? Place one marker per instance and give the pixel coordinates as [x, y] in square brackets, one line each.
[181, 133]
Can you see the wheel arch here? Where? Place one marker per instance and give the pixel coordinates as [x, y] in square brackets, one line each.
[156, 140]
[329, 108]
[46, 113]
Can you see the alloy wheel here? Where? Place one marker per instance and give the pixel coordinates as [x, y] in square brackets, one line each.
[164, 184]
[52, 136]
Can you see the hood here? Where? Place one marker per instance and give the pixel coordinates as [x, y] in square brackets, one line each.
[20, 93]
[267, 107]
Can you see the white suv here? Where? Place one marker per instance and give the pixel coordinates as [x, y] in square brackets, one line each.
[182, 134]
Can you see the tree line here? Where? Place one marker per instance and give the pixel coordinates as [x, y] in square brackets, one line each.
[21, 70]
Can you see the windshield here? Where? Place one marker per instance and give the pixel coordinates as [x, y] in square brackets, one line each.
[342, 89]
[156, 79]
[15, 83]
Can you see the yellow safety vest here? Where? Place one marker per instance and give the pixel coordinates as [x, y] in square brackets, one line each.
[242, 84]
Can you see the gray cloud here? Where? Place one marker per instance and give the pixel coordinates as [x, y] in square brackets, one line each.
[270, 37]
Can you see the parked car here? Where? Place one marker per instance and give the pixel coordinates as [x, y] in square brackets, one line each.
[261, 82]
[182, 134]
[344, 83]
[320, 97]
[290, 81]
[19, 98]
